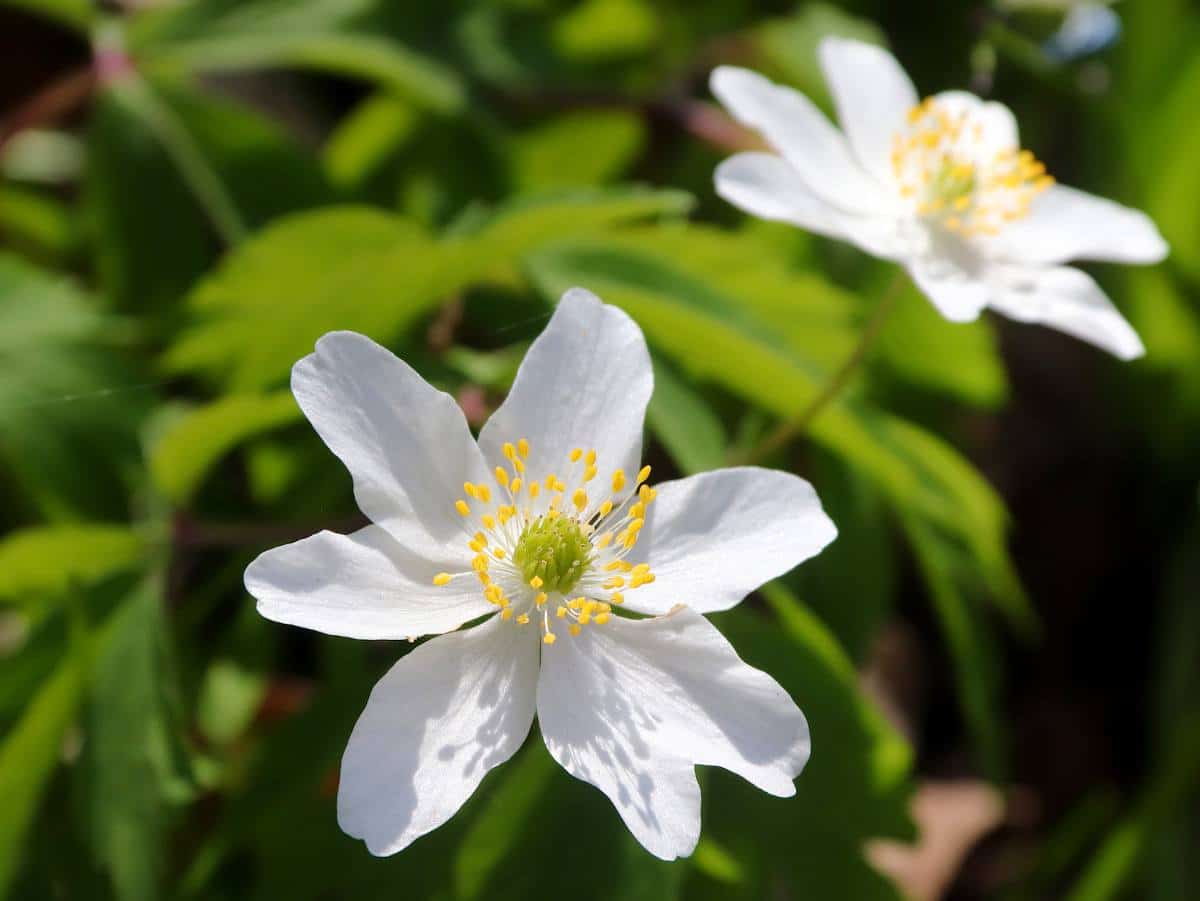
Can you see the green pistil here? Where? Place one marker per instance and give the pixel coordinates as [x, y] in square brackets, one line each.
[554, 550]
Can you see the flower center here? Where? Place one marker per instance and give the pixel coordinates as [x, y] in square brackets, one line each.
[953, 180]
[554, 548]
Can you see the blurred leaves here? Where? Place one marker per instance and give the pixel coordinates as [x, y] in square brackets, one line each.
[250, 174]
[31, 749]
[133, 757]
[50, 561]
[69, 403]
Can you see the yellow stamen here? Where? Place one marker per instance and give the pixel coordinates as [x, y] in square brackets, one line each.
[441, 579]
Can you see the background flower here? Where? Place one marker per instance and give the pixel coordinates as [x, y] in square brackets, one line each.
[941, 186]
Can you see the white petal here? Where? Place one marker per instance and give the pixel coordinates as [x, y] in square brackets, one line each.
[363, 585]
[584, 383]
[768, 186]
[873, 95]
[712, 538]
[998, 126]
[1068, 300]
[800, 132]
[443, 716]
[957, 292]
[406, 444]
[1065, 224]
[631, 706]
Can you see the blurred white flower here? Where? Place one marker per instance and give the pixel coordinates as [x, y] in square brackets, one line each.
[545, 529]
[940, 186]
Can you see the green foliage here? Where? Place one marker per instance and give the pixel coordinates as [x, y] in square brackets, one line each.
[247, 175]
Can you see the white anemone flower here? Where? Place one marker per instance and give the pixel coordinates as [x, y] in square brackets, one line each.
[547, 532]
[939, 185]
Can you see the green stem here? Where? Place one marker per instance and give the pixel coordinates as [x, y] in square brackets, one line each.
[141, 99]
[788, 431]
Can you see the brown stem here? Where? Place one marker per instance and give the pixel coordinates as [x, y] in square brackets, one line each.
[50, 104]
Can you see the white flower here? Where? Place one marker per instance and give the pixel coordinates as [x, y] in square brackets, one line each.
[939, 185]
[545, 528]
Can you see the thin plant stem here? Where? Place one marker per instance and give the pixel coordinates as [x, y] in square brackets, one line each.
[788, 431]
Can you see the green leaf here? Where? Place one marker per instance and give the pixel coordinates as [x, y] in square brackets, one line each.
[132, 755]
[74, 14]
[367, 137]
[683, 422]
[196, 441]
[308, 274]
[597, 30]
[338, 38]
[68, 404]
[48, 561]
[31, 750]
[361, 269]
[959, 360]
[579, 148]
[36, 223]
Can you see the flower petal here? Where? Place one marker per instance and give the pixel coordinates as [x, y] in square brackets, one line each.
[998, 126]
[584, 383]
[1068, 300]
[1066, 224]
[769, 187]
[711, 539]
[406, 444]
[800, 132]
[957, 292]
[362, 585]
[873, 95]
[632, 706]
[444, 715]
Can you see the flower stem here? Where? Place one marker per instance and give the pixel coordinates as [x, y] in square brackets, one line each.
[788, 431]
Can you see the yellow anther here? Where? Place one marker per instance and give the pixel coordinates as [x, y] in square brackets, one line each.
[550, 481]
[618, 480]
[536, 582]
[498, 553]
[518, 464]
[461, 506]
[617, 598]
[523, 448]
[615, 566]
[590, 459]
[606, 508]
[502, 476]
[641, 569]
[540, 600]
[506, 613]
[535, 489]
[471, 490]
[523, 619]
[615, 582]
[489, 521]
[585, 617]
[638, 510]
[509, 451]
[962, 203]
[515, 487]
[635, 526]
[576, 454]
[476, 546]
[602, 618]
[548, 638]
[574, 629]
[485, 493]
[479, 562]
[561, 612]
[589, 473]
[483, 576]
[604, 540]
[441, 579]
[577, 603]
[579, 499]
[643, 474]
